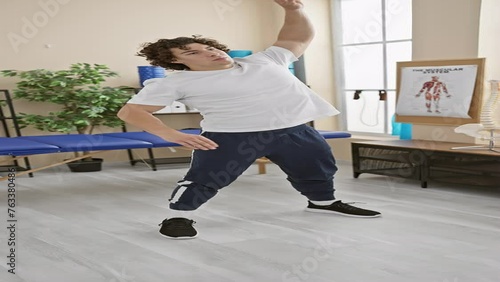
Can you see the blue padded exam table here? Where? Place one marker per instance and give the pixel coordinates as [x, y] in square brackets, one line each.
[24, 146]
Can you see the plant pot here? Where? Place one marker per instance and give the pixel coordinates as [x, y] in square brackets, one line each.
[85, 166]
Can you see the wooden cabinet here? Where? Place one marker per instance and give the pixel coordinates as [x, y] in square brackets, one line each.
[425, 161]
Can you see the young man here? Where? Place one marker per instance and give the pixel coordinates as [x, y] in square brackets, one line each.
[252, 107]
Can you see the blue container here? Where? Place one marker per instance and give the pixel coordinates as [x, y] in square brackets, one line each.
[148, 72]
[396, 126]
[239, 53]
[406, 129]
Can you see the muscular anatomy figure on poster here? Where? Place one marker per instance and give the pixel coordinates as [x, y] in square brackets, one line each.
[433, 89]
[456, 83]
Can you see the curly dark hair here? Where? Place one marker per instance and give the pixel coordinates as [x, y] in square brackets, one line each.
[159, 53]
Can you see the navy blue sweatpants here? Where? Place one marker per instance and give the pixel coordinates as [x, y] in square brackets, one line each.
[300, 151]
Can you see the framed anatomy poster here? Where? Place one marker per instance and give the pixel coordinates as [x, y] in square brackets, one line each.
[445, 92]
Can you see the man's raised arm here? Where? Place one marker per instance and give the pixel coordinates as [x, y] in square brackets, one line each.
[297, 31]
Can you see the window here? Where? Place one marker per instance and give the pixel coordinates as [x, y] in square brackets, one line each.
[373, 36]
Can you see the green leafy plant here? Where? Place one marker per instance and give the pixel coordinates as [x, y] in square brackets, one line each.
[85, 103]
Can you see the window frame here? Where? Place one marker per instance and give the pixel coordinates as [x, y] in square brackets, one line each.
[337, 35]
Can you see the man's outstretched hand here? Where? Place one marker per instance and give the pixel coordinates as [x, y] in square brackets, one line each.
[191, 141]
[290, 4]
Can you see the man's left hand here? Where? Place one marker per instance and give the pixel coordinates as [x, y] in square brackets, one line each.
[290, 4]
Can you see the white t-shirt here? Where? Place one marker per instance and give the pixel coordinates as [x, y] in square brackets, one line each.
[258, 93]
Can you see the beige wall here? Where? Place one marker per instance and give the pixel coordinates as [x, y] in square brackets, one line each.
[467, 30]
[56, 33]
[489, 43]
[449, 29]
[319, 59]
[444, 29]
[489, 37]
[110, 32]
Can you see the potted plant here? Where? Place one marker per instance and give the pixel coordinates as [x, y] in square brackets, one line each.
[84, 102]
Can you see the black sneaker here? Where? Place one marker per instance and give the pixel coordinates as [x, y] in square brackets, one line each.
[343, 209]
[178, 228]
